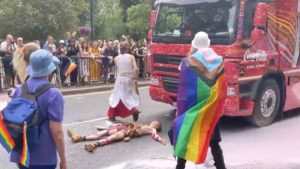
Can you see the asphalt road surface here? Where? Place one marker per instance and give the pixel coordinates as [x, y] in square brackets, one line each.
[245, 147]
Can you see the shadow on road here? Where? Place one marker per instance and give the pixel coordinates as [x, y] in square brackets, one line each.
[290, 115]
[236, 124]
[241, 124]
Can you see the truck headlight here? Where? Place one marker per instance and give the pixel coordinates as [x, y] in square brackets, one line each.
[231, 91]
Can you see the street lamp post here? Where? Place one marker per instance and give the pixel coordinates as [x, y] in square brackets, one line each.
[92, 19]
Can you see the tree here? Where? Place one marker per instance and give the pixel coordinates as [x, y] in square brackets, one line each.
[125, 4]
[81, 7]
[138, 20]
[33, 19]
[108, 22]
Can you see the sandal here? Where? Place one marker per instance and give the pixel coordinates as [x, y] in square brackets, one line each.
[157, 138]
[90, 147]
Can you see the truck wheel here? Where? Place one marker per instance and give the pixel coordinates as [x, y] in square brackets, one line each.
[266, 104]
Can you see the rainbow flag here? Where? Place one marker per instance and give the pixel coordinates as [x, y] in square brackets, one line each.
[25, 157]
[5, 139]
[200, 105]
[69, 68]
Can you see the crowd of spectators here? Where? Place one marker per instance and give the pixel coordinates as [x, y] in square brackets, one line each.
[94, 59]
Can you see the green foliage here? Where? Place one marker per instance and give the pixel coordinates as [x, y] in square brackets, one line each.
[108, 22]
[33, 19]
[138, 20]
[81, 7]
[125, 4]
[169, 19]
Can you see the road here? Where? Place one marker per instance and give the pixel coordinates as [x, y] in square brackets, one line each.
[245, 147]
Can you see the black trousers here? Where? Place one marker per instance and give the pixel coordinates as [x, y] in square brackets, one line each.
[216, 151]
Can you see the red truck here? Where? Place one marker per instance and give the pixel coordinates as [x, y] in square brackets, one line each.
[259, 40]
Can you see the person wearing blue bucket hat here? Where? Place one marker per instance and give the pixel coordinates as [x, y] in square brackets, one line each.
[42, 64]
[51, 112]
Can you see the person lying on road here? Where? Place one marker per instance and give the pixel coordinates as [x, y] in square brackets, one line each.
[118, 132]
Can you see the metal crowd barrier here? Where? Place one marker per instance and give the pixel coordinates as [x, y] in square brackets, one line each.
[89, 71]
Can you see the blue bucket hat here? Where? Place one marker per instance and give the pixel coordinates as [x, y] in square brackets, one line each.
[42, 63]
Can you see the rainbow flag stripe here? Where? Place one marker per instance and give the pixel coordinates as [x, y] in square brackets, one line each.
[200, 105]
[25, 157]
[5, 139]
[71, 67]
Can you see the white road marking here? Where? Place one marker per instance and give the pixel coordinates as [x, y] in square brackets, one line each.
[84, 122]
[96, 93]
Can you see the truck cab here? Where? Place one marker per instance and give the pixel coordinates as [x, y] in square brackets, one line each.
[258, 39]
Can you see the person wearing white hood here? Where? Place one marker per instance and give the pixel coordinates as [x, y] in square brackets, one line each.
[200, 103]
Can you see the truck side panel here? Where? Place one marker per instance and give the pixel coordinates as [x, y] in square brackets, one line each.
[289, 12]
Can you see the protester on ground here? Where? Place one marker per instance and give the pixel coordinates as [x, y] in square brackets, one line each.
[85, 56]
[72, 53]
[49, 45]
[199, 112]
[7, 49]
[51, 105]
[124, 100]
[21, 60]
[95, 71]
[119, 132]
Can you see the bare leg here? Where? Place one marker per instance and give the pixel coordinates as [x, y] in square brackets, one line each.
[101, 134]
[112, 138]
[97, 135]
[78, 138]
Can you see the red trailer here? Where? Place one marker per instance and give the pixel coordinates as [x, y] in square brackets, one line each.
[259, 40]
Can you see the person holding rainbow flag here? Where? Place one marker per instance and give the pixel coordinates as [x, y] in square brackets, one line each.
[50, 142]
[200, 101]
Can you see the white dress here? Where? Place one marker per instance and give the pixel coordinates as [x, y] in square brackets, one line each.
[124, 88]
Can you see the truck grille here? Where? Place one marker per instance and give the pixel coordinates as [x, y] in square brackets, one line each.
[170, 83]
[173, 60]
[166, 69]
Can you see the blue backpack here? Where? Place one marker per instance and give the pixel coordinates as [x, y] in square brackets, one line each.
[24, 109]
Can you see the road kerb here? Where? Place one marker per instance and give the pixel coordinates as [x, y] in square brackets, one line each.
[94, 89]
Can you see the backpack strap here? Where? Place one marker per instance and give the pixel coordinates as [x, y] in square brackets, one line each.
[25, 94]
[33, 96]
[42, 89]
[37, 93]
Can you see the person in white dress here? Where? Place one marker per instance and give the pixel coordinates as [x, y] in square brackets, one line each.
[124, 99]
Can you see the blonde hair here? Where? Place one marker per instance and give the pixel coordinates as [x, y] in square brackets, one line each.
[21, 59]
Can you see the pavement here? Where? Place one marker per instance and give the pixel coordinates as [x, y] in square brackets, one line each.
[95, 88]
[245, 147]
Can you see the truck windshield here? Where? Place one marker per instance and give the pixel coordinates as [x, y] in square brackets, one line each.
[179, 23]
